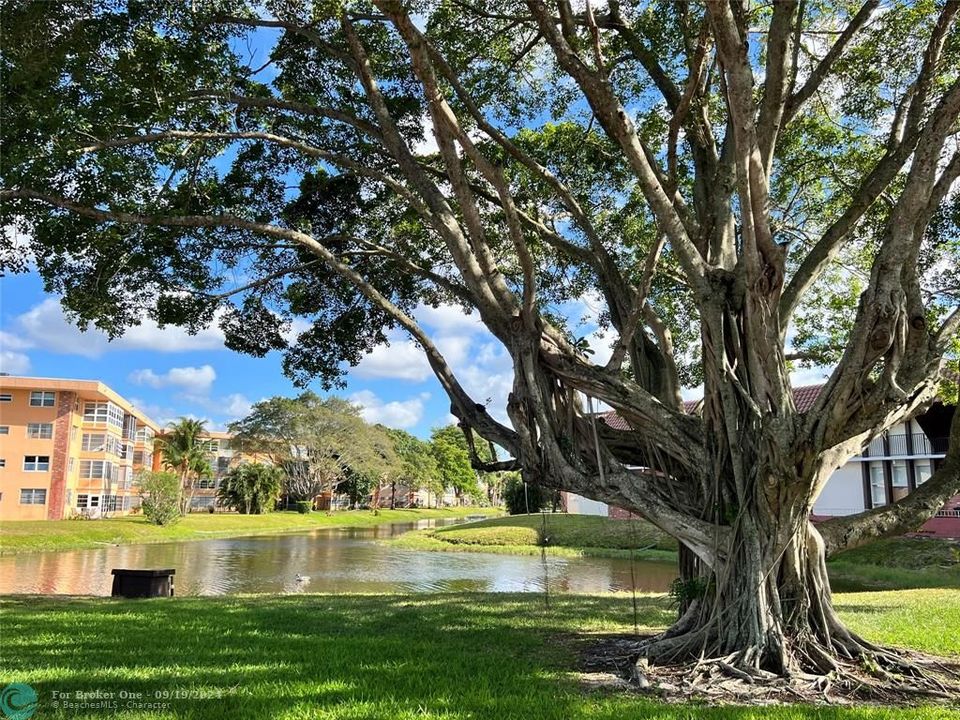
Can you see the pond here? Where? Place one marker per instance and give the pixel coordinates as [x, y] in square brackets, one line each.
[349, 560]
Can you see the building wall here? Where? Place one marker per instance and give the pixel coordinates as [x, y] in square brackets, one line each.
[843, 493]
[60, 481]
[584, 506]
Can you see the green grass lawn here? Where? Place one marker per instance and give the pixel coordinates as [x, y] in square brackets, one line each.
[893, 564]
[45, 535]
[447, 656]
[585, 535]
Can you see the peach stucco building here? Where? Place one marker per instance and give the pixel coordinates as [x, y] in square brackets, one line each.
[69, 447]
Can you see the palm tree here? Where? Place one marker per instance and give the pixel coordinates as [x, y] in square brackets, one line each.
[184, 453]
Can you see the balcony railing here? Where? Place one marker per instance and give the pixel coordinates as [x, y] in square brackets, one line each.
[902, 444]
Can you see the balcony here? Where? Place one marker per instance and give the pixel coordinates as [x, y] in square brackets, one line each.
[902, 444]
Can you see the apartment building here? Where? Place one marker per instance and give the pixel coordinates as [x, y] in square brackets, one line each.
[890, 467]
[69, 447]
[224, 454]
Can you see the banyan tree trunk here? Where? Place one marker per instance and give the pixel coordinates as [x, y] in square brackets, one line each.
[768, 608]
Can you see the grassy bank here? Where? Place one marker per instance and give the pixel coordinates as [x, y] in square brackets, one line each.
[897, 563]
[389, 656]
[570, 535]
[34, 536]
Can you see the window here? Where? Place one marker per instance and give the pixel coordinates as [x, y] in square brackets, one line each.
[70, 467]
[112, 503]
[878, 485]
[88, 501]
[210, 446]
[4, 429]
[6, 397]
[42, 431]
[101, 442]
[144, 435]
[33, 496]
[98, 469]
[36, 463]
[103, 414]
[42, 398]
[93, 442]
[923, 471]
[3, 462]
[223, 465]
[899, 474]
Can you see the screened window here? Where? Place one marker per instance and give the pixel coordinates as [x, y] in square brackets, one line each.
[101, 442]
[36, 463]
[93, 442]
[93, 469]
[899, 473]
[33, 496]
[43, 398]
[43, 431]
[103, 414]
[878, 486]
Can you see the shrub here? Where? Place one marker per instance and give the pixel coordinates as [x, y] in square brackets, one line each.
[304, 507]
[518, 501]
[160, 495]
[251, 488]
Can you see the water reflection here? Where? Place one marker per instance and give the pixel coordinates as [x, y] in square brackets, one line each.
[344, 560]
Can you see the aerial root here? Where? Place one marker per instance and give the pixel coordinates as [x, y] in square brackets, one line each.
[869, 675]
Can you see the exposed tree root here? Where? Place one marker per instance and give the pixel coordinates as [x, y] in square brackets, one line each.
[881, 676]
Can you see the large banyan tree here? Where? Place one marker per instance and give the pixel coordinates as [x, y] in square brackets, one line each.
[744, 185]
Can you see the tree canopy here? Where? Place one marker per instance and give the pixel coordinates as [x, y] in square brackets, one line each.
[316, 441]
[744, 186]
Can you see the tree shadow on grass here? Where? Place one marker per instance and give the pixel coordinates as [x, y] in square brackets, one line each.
[347, 656]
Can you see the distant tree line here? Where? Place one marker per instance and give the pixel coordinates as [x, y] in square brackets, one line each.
[324, 448]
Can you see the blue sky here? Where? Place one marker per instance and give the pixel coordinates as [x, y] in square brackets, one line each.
[169, 373]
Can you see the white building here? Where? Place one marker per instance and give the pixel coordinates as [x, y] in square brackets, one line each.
[892, 466]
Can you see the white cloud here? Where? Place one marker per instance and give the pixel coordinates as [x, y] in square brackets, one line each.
[14, 363]
[11, 360]
[46, 327]
[404, 359]
[236, 406]
[809, 376]
[427, 146]
[192, 380]
[449, 318]
[397, 413]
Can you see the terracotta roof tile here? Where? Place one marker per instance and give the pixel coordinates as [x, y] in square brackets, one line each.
[804, 397]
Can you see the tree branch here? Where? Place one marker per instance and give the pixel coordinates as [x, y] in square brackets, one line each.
[823, 68]
[846, 533]
[477, 415]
